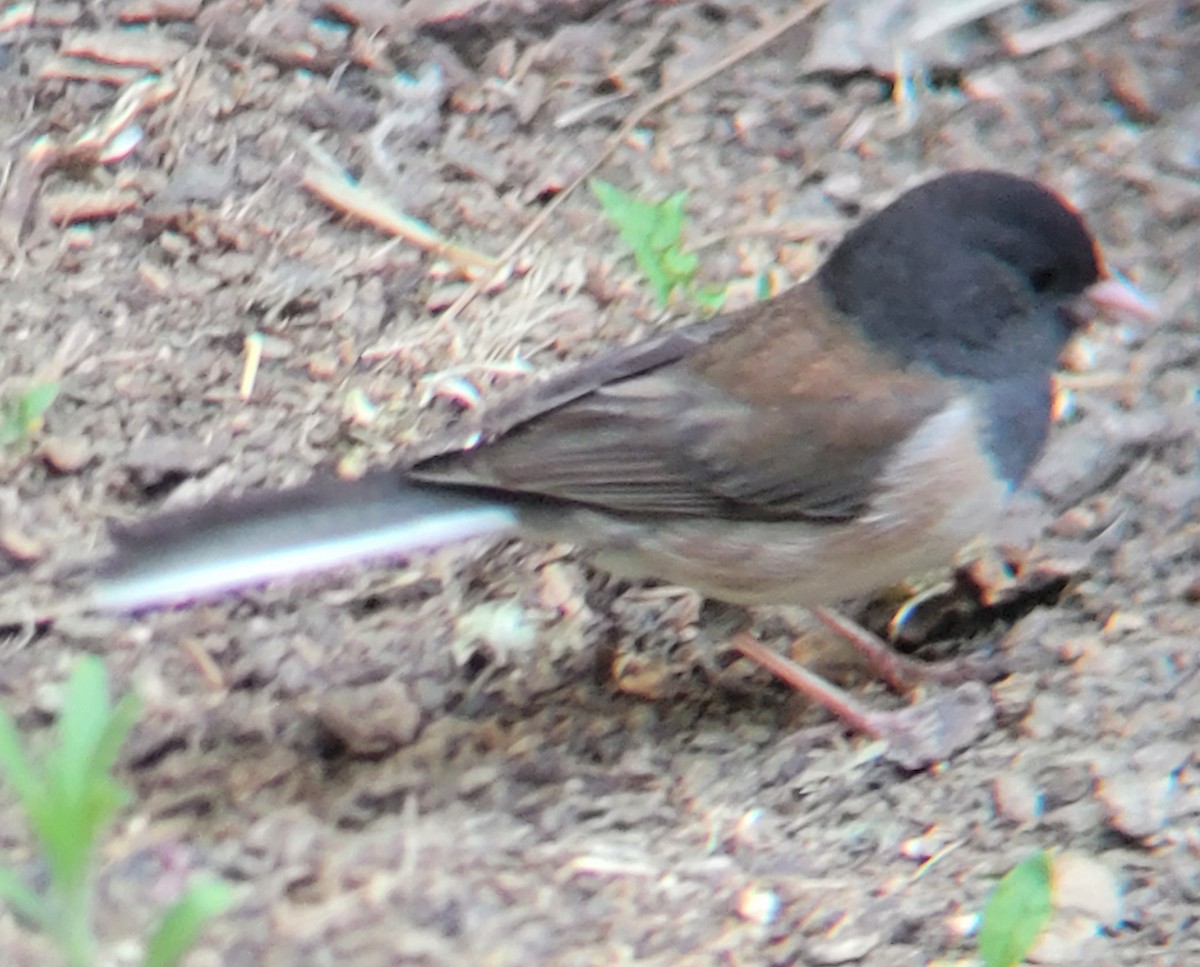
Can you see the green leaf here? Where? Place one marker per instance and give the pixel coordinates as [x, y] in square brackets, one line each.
[21, 417]
[73, 801]
[81, 797]
[16, 765]
[654, 231]
[22, 899]
[1016, 913]
[667, 222]
[710, 298]
[679, 265]
[116, 730]
[69, 799]
[10, 425]
[181, 924]
[84, 715]
[33, 403]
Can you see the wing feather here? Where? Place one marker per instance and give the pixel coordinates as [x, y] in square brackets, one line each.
[785, 418]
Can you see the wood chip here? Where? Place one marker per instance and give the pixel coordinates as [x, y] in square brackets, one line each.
[68, 207]
[95, 72]
[376, 16]
[130, 47]
[644, 676]
[1085, 20]
[352, 198]
[142, 11]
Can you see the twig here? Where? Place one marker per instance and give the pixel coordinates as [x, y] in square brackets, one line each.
[351, 198]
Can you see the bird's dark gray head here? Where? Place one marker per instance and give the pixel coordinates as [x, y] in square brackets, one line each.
[970, 273]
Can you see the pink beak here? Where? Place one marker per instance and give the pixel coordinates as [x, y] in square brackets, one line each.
[1114, 296]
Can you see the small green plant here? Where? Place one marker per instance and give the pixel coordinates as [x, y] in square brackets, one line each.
[1017, 912]
[654, 230]
[70, 801]
[21, 415]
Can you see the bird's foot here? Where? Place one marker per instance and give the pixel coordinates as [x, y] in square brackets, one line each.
[899, 671]
[917, 737]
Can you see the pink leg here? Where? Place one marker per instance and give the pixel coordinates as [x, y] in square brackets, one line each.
[917, 737]
[899, 671]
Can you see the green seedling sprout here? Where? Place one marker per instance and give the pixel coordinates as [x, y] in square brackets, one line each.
[654, 230]
[70, 800]
[21, 415]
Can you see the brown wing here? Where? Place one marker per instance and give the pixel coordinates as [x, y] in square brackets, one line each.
[776, 411]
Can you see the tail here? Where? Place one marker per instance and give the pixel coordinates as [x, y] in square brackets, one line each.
[192, 553]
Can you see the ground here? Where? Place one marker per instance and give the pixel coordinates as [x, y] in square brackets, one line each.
[497, 755]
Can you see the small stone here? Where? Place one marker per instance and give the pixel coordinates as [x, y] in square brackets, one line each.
[1135, 805]
[322, 367]
[1087, 901]
[1083, 884]
[20, 547]
[1017, 798]
[68, 454]
[844, 949]
[756, 904]
[370, 720]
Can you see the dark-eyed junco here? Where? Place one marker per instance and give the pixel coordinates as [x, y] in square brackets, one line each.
[858, 428]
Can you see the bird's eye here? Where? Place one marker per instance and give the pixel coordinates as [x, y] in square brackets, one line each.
[1042, 279]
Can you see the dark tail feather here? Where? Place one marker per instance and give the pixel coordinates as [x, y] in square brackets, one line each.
[228, 544]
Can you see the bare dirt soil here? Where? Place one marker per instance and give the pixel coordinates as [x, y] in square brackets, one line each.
[498, 756]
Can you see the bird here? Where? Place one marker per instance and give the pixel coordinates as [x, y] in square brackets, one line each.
[812, 448]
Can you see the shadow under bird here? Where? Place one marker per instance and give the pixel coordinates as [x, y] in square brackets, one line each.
[856, 429]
